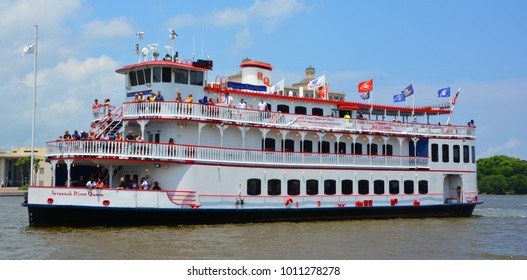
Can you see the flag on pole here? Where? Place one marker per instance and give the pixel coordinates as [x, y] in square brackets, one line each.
[365, 95]
[366, 86]
[316, 83]
[399, 97]
[29, 48]
[455, 98]
[322, 91]
[278, 87]
[409, 90]
[444, 92]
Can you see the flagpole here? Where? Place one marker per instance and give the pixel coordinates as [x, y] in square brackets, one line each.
[413, 100]
[31, 168]
[452, 109]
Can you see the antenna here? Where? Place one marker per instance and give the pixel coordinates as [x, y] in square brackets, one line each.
[145, 52]
[153, 49]
[140, 35]
[172, 37]
[193, 54]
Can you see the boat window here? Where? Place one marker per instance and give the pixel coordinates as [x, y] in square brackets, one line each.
[293, 187]
[300, 110]
[341, 149]
[312, 187]
[408, 187]
[133, 78]
[378, 187]
[347, 186]
[445, 153]
[196, 78]
[157, 75]
[364, 187]
[466, 155]
[456, 153]
[473, 154]
[358, 149]
[140, 77]
[282, 108]
[289, 145]
[394, 186]
[148, 75]
[268, 144]
[423, 187]
[254, 186]
[374, 150]
[317, 112]
[273, 187]
[387, 150]
[167, 75]
[324, 148]
[435, 152]
[307, 146]
[330, 187]
[181, 76]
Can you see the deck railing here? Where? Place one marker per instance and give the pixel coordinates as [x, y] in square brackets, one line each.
[171, 152]
[169, 109]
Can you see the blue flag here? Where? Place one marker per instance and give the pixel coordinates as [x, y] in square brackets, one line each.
[444, 92]
[409, 90]
[399, 97]
[365, 95]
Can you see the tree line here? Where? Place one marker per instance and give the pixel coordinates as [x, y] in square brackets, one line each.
[502, 175]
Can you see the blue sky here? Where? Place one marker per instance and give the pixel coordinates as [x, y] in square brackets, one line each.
[478, 46]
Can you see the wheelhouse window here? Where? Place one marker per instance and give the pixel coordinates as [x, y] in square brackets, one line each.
[423, 187]
[364, 187]
[254, 186]
[317, 112]
[140, 77]
[378, 187]
[408, 187]
[196, 78]
[166, 75]
[181, 76]
[293, 187]
[347, 186]
[394, 186]
[435, 153]
[456, 153]
[445, 153]
[330, 187]
[156, 77]
[274, 187]
[133, 78]
[148, 75]
[466, 154]
[312, 187]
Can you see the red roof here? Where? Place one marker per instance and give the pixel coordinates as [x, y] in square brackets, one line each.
[182, 64]
[257, 64]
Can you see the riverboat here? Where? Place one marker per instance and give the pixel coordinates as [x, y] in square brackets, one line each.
[300, 157]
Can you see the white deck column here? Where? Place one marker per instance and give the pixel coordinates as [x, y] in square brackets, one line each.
[53, 171]
[68, 167]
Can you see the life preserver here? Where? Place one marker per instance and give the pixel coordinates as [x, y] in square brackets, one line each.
[288, 201]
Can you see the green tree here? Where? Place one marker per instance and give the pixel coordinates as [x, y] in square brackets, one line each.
[502, 175]
[25, 162]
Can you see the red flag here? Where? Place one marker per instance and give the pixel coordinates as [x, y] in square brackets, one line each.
[455, 98]
[366, 86]
[323, 91]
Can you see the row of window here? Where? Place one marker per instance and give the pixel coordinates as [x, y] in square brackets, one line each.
[456, 156]
[164, 75]
[274, 187]
[306, 146]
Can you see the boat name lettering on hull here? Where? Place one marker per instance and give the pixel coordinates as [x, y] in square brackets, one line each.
[75, 193]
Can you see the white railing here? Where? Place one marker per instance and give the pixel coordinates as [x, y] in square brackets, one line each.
[169, 109]
[157, 151]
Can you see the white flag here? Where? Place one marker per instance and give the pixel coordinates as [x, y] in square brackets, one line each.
[316, 83]
[29, 48]
[278, 87]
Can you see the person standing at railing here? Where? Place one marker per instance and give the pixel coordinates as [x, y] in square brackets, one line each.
[159, 97]
[347, 118]
[96, 108]
[262, 107]
[189, 100]
[106, 106]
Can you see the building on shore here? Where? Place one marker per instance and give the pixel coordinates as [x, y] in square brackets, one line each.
[12, 175]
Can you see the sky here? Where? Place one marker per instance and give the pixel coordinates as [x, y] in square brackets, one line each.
[477, 46]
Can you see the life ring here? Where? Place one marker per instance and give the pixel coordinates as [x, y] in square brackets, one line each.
[288, 201]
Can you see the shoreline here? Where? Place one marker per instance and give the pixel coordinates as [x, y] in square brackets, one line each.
[11, 191]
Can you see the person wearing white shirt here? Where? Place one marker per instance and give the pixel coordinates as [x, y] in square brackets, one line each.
[242, 104]
[262, 106]
[228, 100]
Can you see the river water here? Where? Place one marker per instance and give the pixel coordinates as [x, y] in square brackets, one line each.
[497, 231]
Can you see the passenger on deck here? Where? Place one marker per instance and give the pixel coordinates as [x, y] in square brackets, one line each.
[204, 100]
[415, 120]
[141, 97]
[471, 123]
[122, 184]
[227, 100]
[76, 135]
[262, 106]
[130, 137]
[152, 97]
[160, 97]
[118, 137]
[178, 97]
[144, 184]
[136, 97]
[347, 117]
[156, 186]
[91, 184]
[242, 104]
[95, 108]
[359, 115]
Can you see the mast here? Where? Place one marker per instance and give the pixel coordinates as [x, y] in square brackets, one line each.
[31, 180]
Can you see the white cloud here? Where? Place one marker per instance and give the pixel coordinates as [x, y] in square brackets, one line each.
[275, 11]
[243, 40]
[107, 29]
[507, 148]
